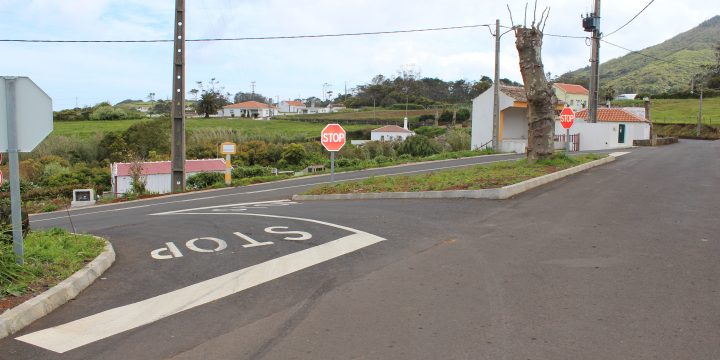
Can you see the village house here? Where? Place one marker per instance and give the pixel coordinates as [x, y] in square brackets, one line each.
[574, 96]
[292, 107]
[249, 109]
[615, 128]
[157, 174]
[390, 133]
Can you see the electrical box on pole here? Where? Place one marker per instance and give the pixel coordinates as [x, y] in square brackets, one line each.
[178, 101]
[591, 23]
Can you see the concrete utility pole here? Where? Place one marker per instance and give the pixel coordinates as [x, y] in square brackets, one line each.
[178, 101]
[496, 91]
[591, 23]
[699, 123]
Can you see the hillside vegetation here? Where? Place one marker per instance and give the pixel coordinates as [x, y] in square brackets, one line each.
[666, 67]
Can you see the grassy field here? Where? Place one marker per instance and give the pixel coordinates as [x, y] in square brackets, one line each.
[682, 111]
[472, 178]
[250, 128]
[365, 115]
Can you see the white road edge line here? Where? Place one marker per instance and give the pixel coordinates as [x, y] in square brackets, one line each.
[69, 336]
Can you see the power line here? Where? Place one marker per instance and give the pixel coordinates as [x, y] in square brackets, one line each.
[631, 20]
[654, 57]
[252, 38]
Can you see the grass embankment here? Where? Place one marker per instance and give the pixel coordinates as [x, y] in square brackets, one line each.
[50, 257]
[364, 115]
[473, 178]
[680, 111]
[688, 131]
[249, 128]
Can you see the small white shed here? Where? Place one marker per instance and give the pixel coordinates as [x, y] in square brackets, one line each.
[157, 174]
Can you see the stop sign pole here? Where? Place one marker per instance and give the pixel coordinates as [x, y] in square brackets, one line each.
[332, 138]
[567, 119]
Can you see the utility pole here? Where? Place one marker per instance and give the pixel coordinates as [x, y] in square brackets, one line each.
[591, 23]
[699, 124]
[496, 91]
[252, 86]
[178, 101]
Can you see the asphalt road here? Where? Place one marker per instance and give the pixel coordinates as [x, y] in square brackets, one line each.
[618, 262]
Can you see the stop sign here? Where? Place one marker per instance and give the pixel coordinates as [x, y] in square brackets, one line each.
[332, 137]
[567, 118]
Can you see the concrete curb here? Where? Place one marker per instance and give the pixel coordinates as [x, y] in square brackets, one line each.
[15, 319]
[502, 193]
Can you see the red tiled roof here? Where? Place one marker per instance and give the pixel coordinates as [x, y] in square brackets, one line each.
[612, 115]
[515, 92]
[573, 89]
[247, 105]
[163, 167]
[294, 103]
[392, 129]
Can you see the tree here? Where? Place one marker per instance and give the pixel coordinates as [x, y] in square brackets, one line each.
[211, 98]
[243, 96]
[609, 92]
[194, 93]
[713, 78]
[541, 98]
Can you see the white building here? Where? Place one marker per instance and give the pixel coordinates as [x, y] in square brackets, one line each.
[249, 109]
[390, 133]
[157, 174]
[292, 107]
[574, 96]
[616, 127]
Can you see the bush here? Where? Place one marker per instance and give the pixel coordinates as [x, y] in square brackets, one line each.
[204, 180]
[418, 146]
[430, 131]
[409, 107]
[6, 221]
[293, 155]
[458, 140]
[251, 171]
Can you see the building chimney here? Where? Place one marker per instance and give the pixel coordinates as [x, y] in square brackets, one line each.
[405, 124]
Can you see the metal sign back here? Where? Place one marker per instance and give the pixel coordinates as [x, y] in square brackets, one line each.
[33, 111]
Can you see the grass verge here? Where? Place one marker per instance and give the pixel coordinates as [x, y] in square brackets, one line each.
[472, 178]
[51, 256]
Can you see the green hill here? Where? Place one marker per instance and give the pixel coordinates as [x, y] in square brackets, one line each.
[666, 67]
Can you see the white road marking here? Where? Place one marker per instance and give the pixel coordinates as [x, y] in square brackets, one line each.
[96, 327]
[619, 153]
[252, 242]
[221, 245]
[174, 252]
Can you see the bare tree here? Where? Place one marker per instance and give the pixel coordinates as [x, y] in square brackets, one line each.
[541, 99]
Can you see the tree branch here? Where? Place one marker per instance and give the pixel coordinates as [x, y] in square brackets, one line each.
[511, 18]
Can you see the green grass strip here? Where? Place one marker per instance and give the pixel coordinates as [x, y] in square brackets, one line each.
[488, 176]
[51, 256]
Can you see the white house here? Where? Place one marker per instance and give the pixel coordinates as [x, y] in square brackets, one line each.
[157, 174]
[249, 109]
[335, 107]
[390, 133]
[574, 96]
[292, 107]
[513, 126]
[615, 128]
[626, 97]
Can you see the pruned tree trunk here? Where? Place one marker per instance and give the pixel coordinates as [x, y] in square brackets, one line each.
[541, 100]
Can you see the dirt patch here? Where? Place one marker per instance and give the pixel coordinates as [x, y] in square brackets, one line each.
[10, 302]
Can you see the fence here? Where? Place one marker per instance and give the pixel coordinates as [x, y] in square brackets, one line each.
[574, 141]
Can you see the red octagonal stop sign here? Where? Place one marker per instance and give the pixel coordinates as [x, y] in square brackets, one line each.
[332, 137]
[567, 118]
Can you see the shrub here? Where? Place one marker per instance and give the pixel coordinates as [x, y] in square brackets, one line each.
[418, 146]
[251, 171]
[430, 131]
[458, 140]
[204, 180]
[293, 154]
[409, 107]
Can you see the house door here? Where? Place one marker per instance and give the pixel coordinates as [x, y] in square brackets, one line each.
[621, 133]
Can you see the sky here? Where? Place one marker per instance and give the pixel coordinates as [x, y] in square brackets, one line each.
[89, 73]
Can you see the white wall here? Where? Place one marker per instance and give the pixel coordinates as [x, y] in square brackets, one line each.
[388, 136]
[155, 183]
[604, 135]
[482, 113]
[515, 123]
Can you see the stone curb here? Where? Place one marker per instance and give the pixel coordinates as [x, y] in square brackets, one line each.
[502, 193]
[15, 319]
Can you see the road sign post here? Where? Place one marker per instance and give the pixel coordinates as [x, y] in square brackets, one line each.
[567, 119]
[26, 114]
[332, 138]
[227, 149]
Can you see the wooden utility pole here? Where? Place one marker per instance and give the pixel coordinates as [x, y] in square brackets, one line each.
[496, 91]
[591, 23]
[178, 101]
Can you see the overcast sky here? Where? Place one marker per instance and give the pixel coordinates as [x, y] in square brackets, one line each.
[90, 73]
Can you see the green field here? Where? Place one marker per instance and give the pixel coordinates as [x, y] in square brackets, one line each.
[249, 128]
[681, 111]
[365, 115]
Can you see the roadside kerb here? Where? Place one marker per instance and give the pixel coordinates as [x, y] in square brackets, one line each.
[15, 319]
[502, 193]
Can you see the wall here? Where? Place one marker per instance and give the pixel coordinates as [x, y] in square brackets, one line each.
[389, 136]
[155, 183]
[604, 135]
[482, 114]
[515, 124]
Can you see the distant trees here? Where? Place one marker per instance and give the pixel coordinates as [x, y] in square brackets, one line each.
[243, 96]
[408, 86]
[713, 79]
[211, 98]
